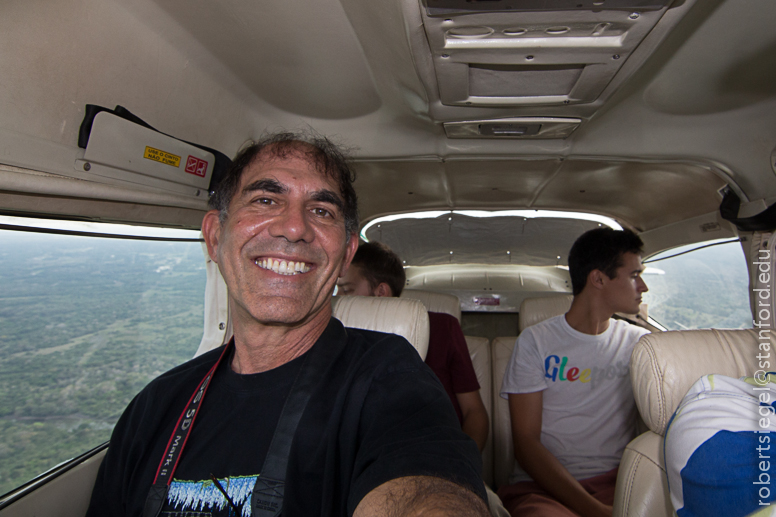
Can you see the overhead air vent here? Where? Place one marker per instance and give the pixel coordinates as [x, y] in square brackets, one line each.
[524, 127]
[521, 81]
[512, 53]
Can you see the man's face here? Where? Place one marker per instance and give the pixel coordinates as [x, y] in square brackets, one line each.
[354, 283]
[283, 244]
[624, 291]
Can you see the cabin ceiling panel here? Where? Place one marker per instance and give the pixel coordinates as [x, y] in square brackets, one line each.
[58, 56]
[639, 194]
[705, 227]
[707, 94]
[724, 73]
[645, 195]
[389, 187]
[302, 57]
[382, 30]
[460, 239]
[497, 183]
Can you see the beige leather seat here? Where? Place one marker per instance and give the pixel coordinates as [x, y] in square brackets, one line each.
[536, 310]
[663, 367]
[479, 351]
[532, 311]
[436, 302]
[503, 449]
[407, 318]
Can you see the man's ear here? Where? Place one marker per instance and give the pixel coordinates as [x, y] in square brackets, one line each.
[383, 290]
[596, 279]
[350, 251]
[211, 232]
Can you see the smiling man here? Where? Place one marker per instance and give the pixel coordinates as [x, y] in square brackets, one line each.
[568, 384]
[297, 414]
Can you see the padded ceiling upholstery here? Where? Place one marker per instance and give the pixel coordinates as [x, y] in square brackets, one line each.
[642, 195]
[304, 61]
[459, 239]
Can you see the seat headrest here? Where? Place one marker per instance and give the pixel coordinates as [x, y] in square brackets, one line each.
[407, 318]
[436, 302]
[536, 310]
[665, 365]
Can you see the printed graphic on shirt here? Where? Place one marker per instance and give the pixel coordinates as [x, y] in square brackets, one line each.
[558, 369]
[203, 498]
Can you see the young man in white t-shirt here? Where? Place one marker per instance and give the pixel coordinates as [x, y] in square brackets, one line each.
[568, 385]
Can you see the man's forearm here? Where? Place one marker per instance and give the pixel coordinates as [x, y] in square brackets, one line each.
[421, 495]
[475, 422]
[475, 425]
[553, 477]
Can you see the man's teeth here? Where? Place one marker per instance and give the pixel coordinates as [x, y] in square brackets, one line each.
[283, 267]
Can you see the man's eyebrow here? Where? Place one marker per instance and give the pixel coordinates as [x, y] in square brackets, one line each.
[267, 185]
[328, 196]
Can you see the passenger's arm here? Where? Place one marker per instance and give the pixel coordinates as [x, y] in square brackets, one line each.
[475, 417]
[421, 495]
[525, 411]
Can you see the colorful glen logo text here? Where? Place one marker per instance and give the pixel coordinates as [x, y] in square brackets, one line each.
[555, 369]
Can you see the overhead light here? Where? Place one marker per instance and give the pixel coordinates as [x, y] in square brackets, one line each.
[525, 214]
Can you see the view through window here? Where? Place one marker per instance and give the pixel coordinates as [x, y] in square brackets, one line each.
[705, 288]
[85, 323]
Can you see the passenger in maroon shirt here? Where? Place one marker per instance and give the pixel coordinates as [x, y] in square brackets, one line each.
[378, 271]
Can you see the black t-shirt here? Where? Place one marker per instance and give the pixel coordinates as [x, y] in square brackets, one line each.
[379, 413]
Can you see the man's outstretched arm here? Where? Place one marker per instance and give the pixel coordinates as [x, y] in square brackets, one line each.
[421, 495]
[525, 410]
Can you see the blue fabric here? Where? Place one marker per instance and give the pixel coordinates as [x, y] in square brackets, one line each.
[718, 478]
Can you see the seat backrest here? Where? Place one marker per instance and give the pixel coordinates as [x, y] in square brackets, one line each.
[408, 318]
[664, 365]
[504, 451]
[479, 351]
[436, 302]
[536, 310]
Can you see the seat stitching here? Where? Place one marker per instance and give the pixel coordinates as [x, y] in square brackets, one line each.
[658, 375]
[642, 455]
[631, 482]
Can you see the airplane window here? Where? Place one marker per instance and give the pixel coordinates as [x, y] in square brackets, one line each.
[699, 286]
[85, 323]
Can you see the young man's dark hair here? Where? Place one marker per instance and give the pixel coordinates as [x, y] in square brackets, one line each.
[379, 264]
[328, 159]
[601, 249]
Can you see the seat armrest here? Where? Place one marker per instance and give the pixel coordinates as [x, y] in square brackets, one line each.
[642, 485]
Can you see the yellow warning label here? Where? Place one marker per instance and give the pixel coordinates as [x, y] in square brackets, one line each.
[162, 157]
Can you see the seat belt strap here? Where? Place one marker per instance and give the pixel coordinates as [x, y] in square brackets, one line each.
[269, 490]
[267, 497]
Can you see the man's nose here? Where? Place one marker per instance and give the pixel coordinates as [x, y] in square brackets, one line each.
[642, 286]
[293, 225]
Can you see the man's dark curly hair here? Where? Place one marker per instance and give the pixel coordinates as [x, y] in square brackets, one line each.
[601, 249]
[326, 157]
